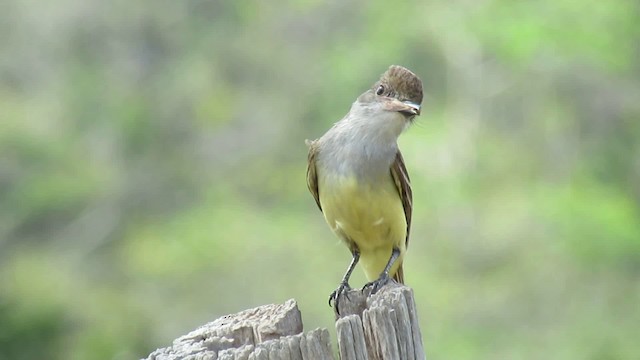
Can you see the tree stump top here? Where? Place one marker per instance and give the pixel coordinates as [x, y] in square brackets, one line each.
[377, 327]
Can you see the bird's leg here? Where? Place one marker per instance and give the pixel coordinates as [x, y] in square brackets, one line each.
[344, 287]
[384, 276]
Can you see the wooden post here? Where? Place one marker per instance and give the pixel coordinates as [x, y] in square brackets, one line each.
[382, 326]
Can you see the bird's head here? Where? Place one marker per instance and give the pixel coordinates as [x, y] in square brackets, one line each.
[399, 90]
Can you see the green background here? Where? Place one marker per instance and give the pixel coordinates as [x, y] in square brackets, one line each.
[152, 169]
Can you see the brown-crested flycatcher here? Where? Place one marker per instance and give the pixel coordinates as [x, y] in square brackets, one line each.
[359, 181]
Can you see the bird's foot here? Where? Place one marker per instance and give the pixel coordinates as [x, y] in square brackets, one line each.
[377, 284]
[343, 289]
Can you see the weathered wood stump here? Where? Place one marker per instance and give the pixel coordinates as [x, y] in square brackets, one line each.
[382, 326]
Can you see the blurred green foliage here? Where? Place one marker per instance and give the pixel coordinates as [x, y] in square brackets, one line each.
[152, 169]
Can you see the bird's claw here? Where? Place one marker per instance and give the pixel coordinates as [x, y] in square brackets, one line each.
[343, 289]
[377, 284]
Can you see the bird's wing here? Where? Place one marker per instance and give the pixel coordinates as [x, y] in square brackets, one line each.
[312, 176]
[403, 185]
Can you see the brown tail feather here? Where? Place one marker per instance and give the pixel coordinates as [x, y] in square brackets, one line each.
[399, 275]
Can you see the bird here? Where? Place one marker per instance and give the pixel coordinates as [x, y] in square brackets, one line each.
[358, 178]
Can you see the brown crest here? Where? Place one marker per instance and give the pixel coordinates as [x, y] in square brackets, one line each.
[400, 83]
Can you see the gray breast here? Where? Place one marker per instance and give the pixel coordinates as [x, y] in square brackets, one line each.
[344, 156]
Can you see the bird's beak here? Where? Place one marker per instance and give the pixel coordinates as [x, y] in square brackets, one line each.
[406, 107]
[414, 109]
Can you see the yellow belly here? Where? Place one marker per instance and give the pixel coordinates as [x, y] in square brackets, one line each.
[370, 216]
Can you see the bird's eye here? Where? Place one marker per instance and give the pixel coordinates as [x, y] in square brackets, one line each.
[380, 90]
